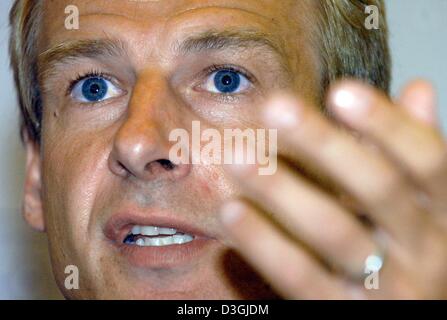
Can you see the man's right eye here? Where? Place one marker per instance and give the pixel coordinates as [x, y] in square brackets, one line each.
[94, 89]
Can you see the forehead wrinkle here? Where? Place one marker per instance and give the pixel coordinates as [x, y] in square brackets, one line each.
[236, 6]
[168, 9]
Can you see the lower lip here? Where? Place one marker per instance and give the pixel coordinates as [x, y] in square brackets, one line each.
[164, 256]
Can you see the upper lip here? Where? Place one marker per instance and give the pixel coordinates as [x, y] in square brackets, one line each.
[119, 225]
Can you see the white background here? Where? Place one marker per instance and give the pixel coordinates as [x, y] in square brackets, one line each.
[419, 47]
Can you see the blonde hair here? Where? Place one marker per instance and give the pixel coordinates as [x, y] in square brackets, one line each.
[347, 49]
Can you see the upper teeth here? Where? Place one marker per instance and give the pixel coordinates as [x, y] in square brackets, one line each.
[152, 231]
[169, 236]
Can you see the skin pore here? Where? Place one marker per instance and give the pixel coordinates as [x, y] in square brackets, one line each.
[99, 159]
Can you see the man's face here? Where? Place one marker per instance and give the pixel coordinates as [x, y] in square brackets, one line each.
[108, 112]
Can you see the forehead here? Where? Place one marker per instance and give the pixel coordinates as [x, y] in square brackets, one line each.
[169, 7]
[163, 16]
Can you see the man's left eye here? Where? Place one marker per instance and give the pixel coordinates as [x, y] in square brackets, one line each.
[94, 89]
[227, 82]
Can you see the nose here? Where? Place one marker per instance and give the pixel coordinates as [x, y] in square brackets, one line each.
[141, 145]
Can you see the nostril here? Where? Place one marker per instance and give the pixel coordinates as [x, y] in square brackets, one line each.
[166, 164]
[160, 165]
[119, 168]
[123, 167]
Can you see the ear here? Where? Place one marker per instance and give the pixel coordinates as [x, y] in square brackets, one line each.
[32, 200]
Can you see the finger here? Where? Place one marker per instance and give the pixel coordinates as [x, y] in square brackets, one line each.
[303, 210]
[415, 146]
[287, 266]
[362, 172]
[418, 99]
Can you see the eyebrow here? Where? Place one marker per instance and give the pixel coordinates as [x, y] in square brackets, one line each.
[217, 40]
[205, 41]
[73, 49]
[237, 39]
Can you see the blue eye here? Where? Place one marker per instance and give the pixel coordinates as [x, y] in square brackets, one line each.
[227, 81]
[94, 89]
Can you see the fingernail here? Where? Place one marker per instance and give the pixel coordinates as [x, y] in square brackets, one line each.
[282, 112]
[351, 102]
[231, 213]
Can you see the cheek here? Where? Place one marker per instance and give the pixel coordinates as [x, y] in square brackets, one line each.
[213, 183]
[73, 170]
[206, 186]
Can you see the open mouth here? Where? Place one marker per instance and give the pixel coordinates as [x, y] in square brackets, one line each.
[156, 239]
[153, 236]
